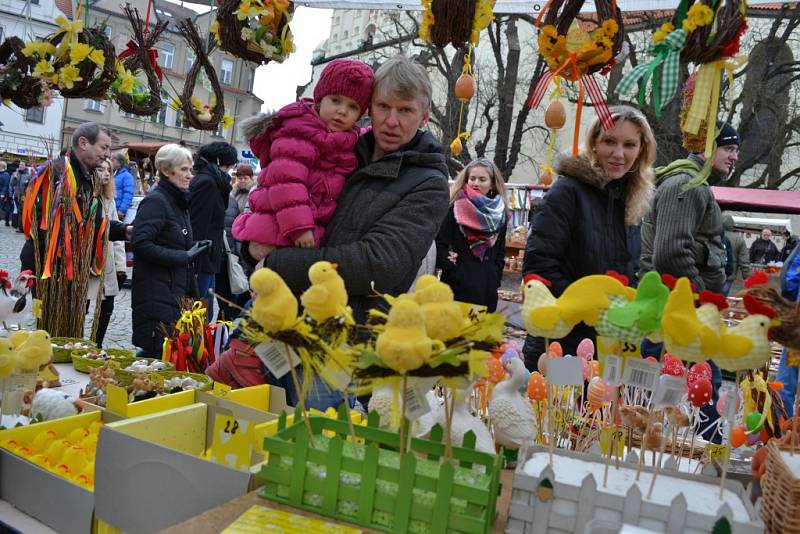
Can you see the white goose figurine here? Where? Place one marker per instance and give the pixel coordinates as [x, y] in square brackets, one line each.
[462, 422]
[511, 414]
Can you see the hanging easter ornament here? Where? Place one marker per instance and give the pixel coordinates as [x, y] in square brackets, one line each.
[555, 117]
[195, 113]
[256, 31]
[17, 81]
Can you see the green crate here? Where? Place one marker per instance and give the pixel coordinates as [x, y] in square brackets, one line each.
[123, 357]
[64, 355]
[366, 484]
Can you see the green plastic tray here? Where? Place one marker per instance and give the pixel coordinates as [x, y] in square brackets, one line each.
[123, 357]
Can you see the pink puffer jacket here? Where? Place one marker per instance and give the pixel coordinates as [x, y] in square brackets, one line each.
[303, 169]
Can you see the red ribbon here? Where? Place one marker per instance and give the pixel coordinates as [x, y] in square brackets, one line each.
[152, 54]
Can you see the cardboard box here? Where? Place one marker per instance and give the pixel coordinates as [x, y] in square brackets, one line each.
[152, 472]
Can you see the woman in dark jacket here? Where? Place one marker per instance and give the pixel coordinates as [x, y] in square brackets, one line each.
[471, 245]
[589, 220]
[208, 201]
[164, 251]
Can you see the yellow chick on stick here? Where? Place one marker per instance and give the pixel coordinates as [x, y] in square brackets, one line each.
[404, 345]
[688, 331]
[443, 317]
[35, 351]
[7, 360]
[327, 296]
[274, 305]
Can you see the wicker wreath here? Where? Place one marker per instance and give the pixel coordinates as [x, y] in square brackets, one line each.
[140, 61]
[452, 22]
[704, 47]
[92, 85]
[16, 83]
[187, 29]
[230, 34]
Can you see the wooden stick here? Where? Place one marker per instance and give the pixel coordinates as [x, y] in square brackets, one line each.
[658, 463]
[300, 396]
[643, 446]
[796, 407]
[448, 448]
[735, 400]
[550, 440]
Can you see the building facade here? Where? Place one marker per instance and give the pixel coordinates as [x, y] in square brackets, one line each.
[175, 59]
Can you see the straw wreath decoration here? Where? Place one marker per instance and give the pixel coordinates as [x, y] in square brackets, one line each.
[195, 113]
[139, 56]
[16, 81]
[253, 30]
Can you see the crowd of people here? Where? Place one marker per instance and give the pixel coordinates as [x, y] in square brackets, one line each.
[376, 202]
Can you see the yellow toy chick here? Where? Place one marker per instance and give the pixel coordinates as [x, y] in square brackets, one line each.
[404, 345]
[585, 297]
[18, 338]
[7, 360]
[35, 351]
[690, 334]
[443, 317]
[746, 345]
[274, 305]
[327, 296]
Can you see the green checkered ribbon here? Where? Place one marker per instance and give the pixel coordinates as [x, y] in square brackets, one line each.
[666, 52]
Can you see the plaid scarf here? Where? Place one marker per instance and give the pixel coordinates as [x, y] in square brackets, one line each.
[479, 218]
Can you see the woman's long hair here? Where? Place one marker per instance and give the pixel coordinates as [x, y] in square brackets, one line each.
[498, 184]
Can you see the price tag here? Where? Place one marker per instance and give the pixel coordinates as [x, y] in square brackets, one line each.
[416, 399]
[716, 452]
[232, 442]
[564, 372]
[221, 390]
[793, 358]
[731, 407]
[630, 350]
[618, 436]
[335, 376]
[641, 374]
[276, 356]
[669, 390]
[612, 369]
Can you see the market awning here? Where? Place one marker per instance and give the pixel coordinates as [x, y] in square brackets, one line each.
[758, 200]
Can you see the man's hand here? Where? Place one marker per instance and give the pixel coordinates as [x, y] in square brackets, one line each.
[259, 251]
[305, 240]
[129, 232]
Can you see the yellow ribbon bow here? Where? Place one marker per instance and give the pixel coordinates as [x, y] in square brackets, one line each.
[70, 29]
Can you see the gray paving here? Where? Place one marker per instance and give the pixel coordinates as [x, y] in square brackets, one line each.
[119, 329]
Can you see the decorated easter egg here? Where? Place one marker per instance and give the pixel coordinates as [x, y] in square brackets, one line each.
[496, 370]
[585, 349]
[672, 366]
[527, 374]
[753, 421]
[597, 392]
[555, 349]
[595, 365]
[697, 371]
[700, 393]
[738, 436]
[586, 368]
[651, 359]
[541, 364]
[723, 401]
[537, 387]
[509, 354]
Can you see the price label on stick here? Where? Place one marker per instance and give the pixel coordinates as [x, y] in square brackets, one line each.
[276, 356]
[416, 401]
[630, 350]
[669, 390]
[640, 374]
[564, 372]
[617, 437]
[612, 372]
[716, 452]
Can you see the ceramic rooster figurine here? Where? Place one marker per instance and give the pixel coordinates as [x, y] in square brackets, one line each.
[14, 296]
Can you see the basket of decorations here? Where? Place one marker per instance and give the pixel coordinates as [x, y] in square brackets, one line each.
[87, 359]
[254, 31]
[143, 365]
[63, 347]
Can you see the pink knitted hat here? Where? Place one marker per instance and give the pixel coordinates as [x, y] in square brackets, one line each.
[348, 77]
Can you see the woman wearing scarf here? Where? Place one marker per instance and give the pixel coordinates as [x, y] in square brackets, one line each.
[471, 245]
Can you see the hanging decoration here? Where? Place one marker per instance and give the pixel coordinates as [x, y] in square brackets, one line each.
[195, 113]
[455, 22]
[254, 30]
[555, 117]
[17, 83]
[139, 56]
[464, 91]
[575, 55]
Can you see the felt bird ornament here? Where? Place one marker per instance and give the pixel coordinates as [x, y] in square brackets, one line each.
[690, 334]
[327, 296]
[536, 297]
[274, 305]
[746, 345]
[647, 307]
[443, 317]
[404, 345]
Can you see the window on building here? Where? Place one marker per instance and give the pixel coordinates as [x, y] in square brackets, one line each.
[337, 20]
[189, 60]
[226, 71]
[93, 105]
[161, 116]
[345, 35]
[251, 74]
[166, 53]
[35, 114]
[2, 33]
[219, 132]
[334, 38]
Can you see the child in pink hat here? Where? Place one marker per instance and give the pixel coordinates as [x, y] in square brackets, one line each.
[306, 150]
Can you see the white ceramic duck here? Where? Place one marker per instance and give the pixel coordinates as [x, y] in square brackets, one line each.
[511, 414]
[462, 422]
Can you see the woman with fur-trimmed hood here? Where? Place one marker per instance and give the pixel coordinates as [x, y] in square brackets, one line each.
[589, 220]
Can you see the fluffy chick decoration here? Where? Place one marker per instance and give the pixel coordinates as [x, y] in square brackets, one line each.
[404, 345]
[443, 317]
[274, 305]
[327, 296]
[7, 361]
[51, 404]
[34, 351]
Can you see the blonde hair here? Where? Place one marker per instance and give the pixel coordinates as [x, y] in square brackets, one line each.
[170, 156]
[643, 167]
[110, 188]
[498, 184]
[404, 78]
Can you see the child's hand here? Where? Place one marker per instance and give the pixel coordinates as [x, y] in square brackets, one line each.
[452, 256]
[259, 251]
[305, 240]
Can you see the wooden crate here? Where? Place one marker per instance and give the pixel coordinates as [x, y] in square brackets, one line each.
[369, 485]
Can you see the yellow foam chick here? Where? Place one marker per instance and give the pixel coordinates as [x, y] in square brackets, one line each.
[404, 345]
[35, 351]
[585, 297]
[89, 443]
[42, 441]
[443, 317]
[539, 312]
[274, 305]
[11, 445]
[746, 345]
[7, 360]
[77, 435]
[680, 321]
[75, 458]
[84, 479]
[95, 426]
[18, 338]
[56, 450]
[42, 460]
[327, 296]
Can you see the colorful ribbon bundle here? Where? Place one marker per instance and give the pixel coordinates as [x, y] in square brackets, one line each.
[192, 346]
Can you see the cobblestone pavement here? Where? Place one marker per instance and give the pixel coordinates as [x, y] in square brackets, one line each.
[119, 329]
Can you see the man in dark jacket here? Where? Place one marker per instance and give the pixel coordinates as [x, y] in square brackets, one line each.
[392, 205]
[763, 250]
[790, 242]
[123, 182]
[208, 200]
[5, 196]
[682, 233]
[18, 186]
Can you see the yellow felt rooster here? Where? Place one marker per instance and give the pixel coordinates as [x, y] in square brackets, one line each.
[443, 317]
[747, 345]
[404, 345]
[537, 297]
[274, 305]
[690, 334]
[327, 296]
[35, 351]
[7, 360]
